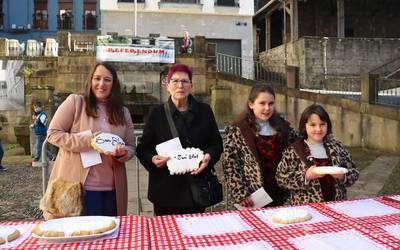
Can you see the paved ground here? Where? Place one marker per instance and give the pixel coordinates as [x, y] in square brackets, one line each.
[371, 181]
[373, 177]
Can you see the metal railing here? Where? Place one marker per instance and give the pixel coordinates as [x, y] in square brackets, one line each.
[181, 1]
[387, 70]
[233, 65]
[227, 3]
[65, 22]
[229, 64]
[387, 91]
[271, 74]
[89, 22]
[44, 163]
[40, 21]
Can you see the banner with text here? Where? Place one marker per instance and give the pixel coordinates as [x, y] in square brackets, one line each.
[129, 53]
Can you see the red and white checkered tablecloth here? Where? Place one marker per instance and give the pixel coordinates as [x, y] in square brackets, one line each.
[163, 232]
[133, 234]
[166, 234]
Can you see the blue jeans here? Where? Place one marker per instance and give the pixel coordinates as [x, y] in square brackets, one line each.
[100, 203]
[38, 146]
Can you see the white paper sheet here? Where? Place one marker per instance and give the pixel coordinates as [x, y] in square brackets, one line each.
[266, 216]
[393, 230]
[172, 145]
[361, 208]
[396, 197]
[255, 245]
[25, 231]
[92, 157]
[211, 225]
[344, 240]
[260, 199]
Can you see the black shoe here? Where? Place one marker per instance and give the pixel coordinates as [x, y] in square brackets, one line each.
[2, 168]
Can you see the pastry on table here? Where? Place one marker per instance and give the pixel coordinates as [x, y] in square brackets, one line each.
[106, 142]
[8, 234]
[291, 215]
[184, 161]
[75, 226]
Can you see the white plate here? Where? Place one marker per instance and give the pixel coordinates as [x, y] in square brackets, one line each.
[70, 224]
[330, 170]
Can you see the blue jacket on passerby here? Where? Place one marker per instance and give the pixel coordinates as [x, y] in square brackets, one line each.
[40, 124]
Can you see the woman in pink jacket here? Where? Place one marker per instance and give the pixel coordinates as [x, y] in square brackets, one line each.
[100, 109]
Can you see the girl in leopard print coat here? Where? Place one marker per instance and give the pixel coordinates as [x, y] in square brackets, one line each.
[253, 148]
[318, 147]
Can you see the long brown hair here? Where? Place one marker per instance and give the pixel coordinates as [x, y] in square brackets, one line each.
[276, 121]
[114, 103]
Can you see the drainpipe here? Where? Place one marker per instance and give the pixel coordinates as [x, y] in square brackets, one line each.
[284, 33]
[135, 14]
[324, 43]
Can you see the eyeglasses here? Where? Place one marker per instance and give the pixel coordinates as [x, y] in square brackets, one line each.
[176, 82]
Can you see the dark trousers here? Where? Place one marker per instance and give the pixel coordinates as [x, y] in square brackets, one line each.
[159, 210]
[1, 153]
[100, 203]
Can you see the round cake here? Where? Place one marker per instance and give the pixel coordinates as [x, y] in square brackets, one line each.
[8, 234]
[75, 226]
[106, 142]
[291, 215]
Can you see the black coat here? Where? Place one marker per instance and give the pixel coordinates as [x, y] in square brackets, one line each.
[197, 128]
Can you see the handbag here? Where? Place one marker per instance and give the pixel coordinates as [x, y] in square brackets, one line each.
[205, 187]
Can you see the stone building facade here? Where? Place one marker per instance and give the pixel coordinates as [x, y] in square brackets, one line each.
[227, 23]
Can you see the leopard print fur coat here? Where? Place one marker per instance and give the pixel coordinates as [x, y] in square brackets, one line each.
[291, 172]
[241, 165]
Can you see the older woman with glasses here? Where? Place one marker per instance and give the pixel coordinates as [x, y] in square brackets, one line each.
[196, 127]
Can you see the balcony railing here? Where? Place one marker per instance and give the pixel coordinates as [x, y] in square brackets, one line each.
[65, 22]
[89, 22]
[181, 1]
[131, 1]
[40, 22]
[227, 3]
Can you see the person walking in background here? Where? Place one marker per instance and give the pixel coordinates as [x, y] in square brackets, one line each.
[196, 127]
[316, 147]
[40, 125]
[100, 109]
[253, 148]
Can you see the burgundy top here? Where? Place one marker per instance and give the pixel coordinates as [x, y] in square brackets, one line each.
[327, 182]
[269, 149]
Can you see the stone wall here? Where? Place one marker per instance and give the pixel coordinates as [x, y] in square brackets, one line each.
[357, 124]
[349, 56]
[294, 54]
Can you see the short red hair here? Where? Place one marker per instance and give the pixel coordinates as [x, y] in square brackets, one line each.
[179, 68]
